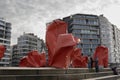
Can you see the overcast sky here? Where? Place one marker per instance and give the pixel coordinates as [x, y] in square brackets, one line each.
[32, 15]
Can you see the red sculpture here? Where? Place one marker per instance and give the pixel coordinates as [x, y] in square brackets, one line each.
[2, 51]
[24, 62]
[101, 53]
[53, 30]
[61, 46]
[78, 60]
[33, 59]
[63, 51]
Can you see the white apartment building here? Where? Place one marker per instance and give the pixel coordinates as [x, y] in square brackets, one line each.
[26, 43]
[5, 39]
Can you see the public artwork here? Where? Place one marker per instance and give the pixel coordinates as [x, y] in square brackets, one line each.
[101, 53]
[2, 51]
[78, 60]
[24, 62]
[64, 50]
[61, 46]
[53, 30]
[33, 59]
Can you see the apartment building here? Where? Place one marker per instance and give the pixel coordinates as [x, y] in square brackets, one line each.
[5, 39]
[87, 28]
[26, 43]
[95, 30]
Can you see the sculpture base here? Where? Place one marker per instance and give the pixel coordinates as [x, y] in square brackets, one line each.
[48, 73]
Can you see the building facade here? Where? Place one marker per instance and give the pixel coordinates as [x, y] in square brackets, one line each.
[107, 35]
[5, 39]
[15, 55]
[26, 43]
[110, 37]
[95, 30]
[87, 28]
[116, 40]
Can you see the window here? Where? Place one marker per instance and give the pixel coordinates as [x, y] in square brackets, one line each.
[79, 21]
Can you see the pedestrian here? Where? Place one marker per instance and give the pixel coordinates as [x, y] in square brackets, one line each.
[114, 69]
[90, 63]
[96, 65]
[91, 59]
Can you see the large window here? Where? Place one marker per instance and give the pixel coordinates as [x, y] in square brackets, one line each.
[2, 22]
[76, 31]
[86, 45]
[89, 31]
[92, 21]
[79, 21]
[85, 41]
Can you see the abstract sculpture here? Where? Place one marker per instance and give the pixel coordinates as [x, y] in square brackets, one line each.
[64, 50]
[78, 60]
[53, 30]
[61, 45]
[2, 50]
[101, 53]
[33, 59]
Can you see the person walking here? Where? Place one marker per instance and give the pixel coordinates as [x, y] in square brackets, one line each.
[96, 65]
[90, 63]
[91, 59]
[114, 69]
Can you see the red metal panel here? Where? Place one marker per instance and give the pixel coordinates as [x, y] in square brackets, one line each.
[101, 53]
[2, 51]
[63, 51]
[53, 30]
[24, 62]
[33, 59]
[79, 60]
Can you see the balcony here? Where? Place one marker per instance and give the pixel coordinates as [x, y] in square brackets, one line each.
[2, 23]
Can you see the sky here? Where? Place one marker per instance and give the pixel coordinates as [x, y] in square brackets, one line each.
[31, 16]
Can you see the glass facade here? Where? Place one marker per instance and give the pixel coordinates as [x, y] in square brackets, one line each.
[85, 27]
